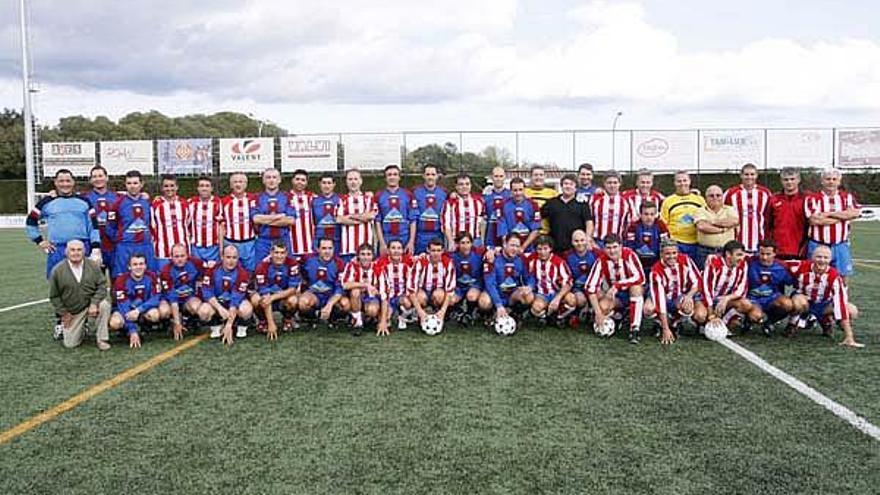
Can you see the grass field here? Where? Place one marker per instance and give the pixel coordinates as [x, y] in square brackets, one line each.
[465, 412]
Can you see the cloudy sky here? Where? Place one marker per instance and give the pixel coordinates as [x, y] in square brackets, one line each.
[314, 66]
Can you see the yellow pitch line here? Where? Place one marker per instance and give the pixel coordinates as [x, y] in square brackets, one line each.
[98, 389]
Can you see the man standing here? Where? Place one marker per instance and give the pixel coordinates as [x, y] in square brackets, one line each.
[68, 217]
[786, 222]
[611, 212]
[427, 203]
[355, 212]
[830, 212]
[78, 292]
[677, 212]
[716, 225]
[520, 216]
[643, 192]
[539, 193]
[494, 201]
[394, 211]
[586, 189]
[272, 216]
[206, 229]
[324, 212]
[750, 201]
[168, 221]
[102, 198]
[128, 223]
[644, 236]
[466, 212]
[237, 219]
[566, 214]
[302, 232]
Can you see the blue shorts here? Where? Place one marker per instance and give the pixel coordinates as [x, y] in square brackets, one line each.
[322, 297]
[59, 255]
[263, 247]
[206, 254]
[124, 251]
[688, 249]
[765, 302]
[818, 309]
[841, 258]
[246, 255]
[107, 258]
[546, 297]
[369, 300]
[423, 238]
[622, 297]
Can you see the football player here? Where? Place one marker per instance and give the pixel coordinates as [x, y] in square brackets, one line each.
[277, 284]
[619, 270]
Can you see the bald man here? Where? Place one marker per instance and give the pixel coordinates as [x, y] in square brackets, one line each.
[78, 292]
[716, 224]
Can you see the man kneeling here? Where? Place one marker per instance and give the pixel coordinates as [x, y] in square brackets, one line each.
[553, 283]
[432, 283]
[359, 278]
[179, 279]
[618, 268]
[138, 295]
[277, 283]
[224, 289]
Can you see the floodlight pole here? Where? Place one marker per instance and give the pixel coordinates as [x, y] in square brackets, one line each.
[614, 138]
[29, 168]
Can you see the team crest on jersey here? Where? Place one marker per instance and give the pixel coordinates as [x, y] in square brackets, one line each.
[139, 293]
[430, 200]
[583, 267]
[394, 201]
[322, 274]
[765, 278]
[184, 278]
[646, 238]
[519, 215]
[278, 278]
[227, 284]
[328, 208]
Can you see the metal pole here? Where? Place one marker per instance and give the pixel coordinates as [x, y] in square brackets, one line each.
[28, 119]
[614, 140]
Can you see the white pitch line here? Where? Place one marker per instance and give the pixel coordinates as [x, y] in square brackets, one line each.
[866, 261]
[23, 305]
[837, 409]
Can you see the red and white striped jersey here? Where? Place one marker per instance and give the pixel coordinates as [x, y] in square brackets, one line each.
[237, 217]
[428, 276]
[205, 218]
[821, 287]
[302, 232]
[393, 277]
[668, 283]
[611, 215]
[355, 272]
[721, 280]
[751, 206]
[820, 202]
[550, 275]
[355, 235]
[623, 273]
[635, 200]
[462, 214]
[168, 221]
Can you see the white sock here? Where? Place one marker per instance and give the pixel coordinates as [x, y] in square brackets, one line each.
[358, 318]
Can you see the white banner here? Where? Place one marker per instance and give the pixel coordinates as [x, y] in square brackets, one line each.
[858, 147]
[372, 152]
[731, 149]
[664, 150]
[309, 153]
[118, 157]
[79, 158]
[802, 148]
[246, 155]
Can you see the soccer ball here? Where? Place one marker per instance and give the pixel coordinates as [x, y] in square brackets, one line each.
[715, 330]
[432, 325]
[505, 326]
[607, 329]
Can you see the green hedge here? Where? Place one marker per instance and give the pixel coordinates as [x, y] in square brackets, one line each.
[865, 186]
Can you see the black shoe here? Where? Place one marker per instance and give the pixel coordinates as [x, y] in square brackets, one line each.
[357, 331]
[634, 336]
[827, 328]
[767, 328]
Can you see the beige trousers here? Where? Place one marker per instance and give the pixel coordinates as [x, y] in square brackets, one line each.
[73, 335]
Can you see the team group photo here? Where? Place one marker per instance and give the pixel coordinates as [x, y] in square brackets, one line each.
[512, 246]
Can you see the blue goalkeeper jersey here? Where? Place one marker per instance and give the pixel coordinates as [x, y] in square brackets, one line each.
[67, 218]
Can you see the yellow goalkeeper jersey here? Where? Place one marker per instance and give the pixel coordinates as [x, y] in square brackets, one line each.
[677, 213]
[541, 196]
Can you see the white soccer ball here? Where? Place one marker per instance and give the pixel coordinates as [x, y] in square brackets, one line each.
[505, 326]
[607, 329]
[715, 330]
[432, 325]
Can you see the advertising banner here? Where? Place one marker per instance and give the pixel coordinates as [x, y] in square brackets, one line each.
[664, 150]
[858, 148]
[731, 149]
[118, 157]
[185, 156]
[78, 157]
[802, 148]
[318, 153]
[372, 151]
[246, 154]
